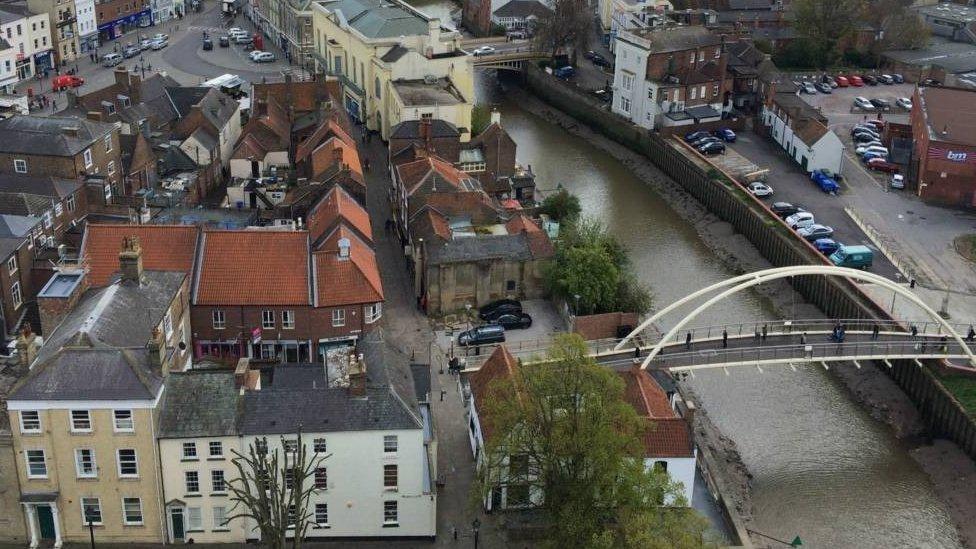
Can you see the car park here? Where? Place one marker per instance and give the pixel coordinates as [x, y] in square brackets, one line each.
[886, 79]
[712, 148]
[264, 57]
[826, 246]
[207, 44]
[800, 219]
[725, 134]
[500, 306]
[489, 333]
[841, 82]
[860, 133]
[823, 87]
[815, 232]
[111, 59]
[855, 257]
[65, 81]
[224, 41]
[904, 103]
[484, 50]
[760, 189]
[785, 209]
[897, 181]
[856, 81]
[513, 321]
[695, 136]
[881, 104]
[863, 103]
[865, 137]
[131, 51]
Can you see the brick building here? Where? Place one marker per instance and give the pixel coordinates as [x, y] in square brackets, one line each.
[63, 147]
[476, 16]
[17, 287]
[117, 17]
[943, 165]
[60, 204]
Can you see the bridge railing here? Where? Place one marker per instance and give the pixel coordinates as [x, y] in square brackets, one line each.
[810, 352]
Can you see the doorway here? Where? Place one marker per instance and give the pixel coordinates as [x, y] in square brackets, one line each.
[176, 522]
[45, 521]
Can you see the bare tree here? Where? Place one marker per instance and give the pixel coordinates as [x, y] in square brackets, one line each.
[274, 489]
[569, 25]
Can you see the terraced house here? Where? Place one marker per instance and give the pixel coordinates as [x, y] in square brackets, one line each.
[394, 62]
[84, 417]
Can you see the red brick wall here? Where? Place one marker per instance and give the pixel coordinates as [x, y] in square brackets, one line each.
[114, 9]
[71, 167]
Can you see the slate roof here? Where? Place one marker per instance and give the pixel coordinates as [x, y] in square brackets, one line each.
[676, 38]
[410, 129]
[14, 231]
[253, 268]
[346, 282]
[55, 187]
[173, 159]
[164, 248]
[199, 403]
[523, 9]
[206, 139]
[514, 247]
[24, 204]
[31, 134]
[394, 54]
[379, 18]
[90, 374]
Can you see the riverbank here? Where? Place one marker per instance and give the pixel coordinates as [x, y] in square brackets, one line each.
[869, 386]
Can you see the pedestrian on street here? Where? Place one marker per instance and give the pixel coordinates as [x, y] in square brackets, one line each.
[971, 334]
[764, 333]
[874, 332]
[914, 331]
[54, 105]
[803, 338]
[688, 341]
[443, 392]
[725, 339]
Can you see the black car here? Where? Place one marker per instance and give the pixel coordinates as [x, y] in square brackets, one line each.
[881, 104]
[899, 79]
[869, 80]
[712, 148]
[886, 79]
[499, 307]
[224, 42]
[599, 60]
[513, 321]
[931, 82]
[707, 139]
[489, 333]
[695, 136]
[823, 87]
[785, 209]
[207, 44]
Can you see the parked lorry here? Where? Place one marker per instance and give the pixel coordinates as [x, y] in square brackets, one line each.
[825, 180]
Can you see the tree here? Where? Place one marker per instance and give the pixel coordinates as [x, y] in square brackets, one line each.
[569, 24]
[274, 490]
[898, 24]
[824, 23]
[563, 432]
[561, 205]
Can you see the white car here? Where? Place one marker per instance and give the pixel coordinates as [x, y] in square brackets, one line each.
[800, 219]
[863, 103]
[158, 44]
[760, 189]
[160, 36]
[253, 53]
[897, 181]
[263, 57]
[875, 149]
[904, 103]
[863, 147]
[484, 50]
[235, 30]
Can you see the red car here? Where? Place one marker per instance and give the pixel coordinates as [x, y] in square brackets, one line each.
[65, 81]
[882, 166]
[856, 81]
[842, 82]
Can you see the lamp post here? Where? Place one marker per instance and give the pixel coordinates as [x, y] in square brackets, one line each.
[475, 528]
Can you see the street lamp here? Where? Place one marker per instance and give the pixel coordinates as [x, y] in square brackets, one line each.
[475, 527]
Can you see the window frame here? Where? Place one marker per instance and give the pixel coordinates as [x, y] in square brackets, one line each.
[190, 526]
[135, 461]
[78, 463]
[107, 140]
[391, 476]
[317, 442]
[219, 525]
[387, 446]
[214, 474]
[388, 519]
[268, 319]
[191, 482]
[40, 425]
[220, 449]
[218, 319]
[318, 523]
[288, 320]
[125, 512]
[69, 203]
[324, 484]
[87, 157]
[88, 419]
[27, 461]
[187, 457]
[20, 165]
[373, 312]
[12, 265]
[338, 318]
[115, 421]
[16, 295]
[84, 514]
[110, 168]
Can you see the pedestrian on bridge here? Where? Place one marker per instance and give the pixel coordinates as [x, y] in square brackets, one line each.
[971, 334]
[636, 352]
[945, 344]
[725, 339]
[914, 331]
[803, 338]
[764, 331]
[874, 332]
[688, 342]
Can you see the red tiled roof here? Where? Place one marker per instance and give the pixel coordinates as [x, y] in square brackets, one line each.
[346, 281]
[645, 395]
[331, 152]
[451, 202]
[330, 128]
[253, 268]
[500, 365]
[164, 248]
[414, 174]
[521, 223]
[338, 204]
[249, 146]
[667, 435]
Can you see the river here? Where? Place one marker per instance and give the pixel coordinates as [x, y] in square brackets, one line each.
[823, 468]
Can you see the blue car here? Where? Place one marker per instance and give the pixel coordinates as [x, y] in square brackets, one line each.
[826, 246]
[869, 155]
[695, 136]
[726, 134]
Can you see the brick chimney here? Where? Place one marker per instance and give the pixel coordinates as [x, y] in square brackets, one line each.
[130, 260]
[26, 346]
[59, 296]
[425, 132]
[157, 349]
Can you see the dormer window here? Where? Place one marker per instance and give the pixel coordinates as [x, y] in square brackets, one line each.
[109, 107]
[124, 100]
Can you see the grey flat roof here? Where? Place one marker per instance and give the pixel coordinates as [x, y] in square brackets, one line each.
[954, 57]
[379, 18]
[416, 93]
[950, 12]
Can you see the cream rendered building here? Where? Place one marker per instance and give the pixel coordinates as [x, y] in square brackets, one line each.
[395, 63]
[84, 418]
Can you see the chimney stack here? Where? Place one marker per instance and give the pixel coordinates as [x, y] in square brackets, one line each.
[240, 372]
[496, 117]
[130, 260]
[156, 346]
[26, 346]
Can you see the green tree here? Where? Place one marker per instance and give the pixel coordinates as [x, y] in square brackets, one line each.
[577, 444]
[587, 272]
[824, 23]
[480, 118]
[561, 206]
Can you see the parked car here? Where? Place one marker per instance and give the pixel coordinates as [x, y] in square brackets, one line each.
[875, 124]
[704, 140]
[866, 127]
[65, 81]
[158, 44]
[897, 181]
[869, 80]
[825, 180]
[264, 57]
[931, 82]
[564, 72]
[904, 103]
[599, 60]
[500, 306]
[815, 232]
[224, 41]
[785, 209]
[829, 80]
[881, 104]
[886, 79]
[875, 149]
[484, 50]
[863, 147]
[726, 134]
[160, 36]
[823, 87]
[234, 31]
[882, 165]
[841, 82]
[760, 189]
[809, 88]
[826, 246]
[207, 44]
[800, 219]
[864, 134]
[252, 53]
[899, 79]
[131, 51]
[695, 136]
[111, 59]
[856, 81]
[870, 155]
[855, 257]
[712, 148]
[145, 44]
[243, 39]
[513, 321]
[489, 333]
[863, 103]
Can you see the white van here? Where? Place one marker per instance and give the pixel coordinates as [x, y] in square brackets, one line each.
[800, 219]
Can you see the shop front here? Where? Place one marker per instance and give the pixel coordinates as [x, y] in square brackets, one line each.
[88, 43]
[23, 67]
[43, 61]
[122, 25]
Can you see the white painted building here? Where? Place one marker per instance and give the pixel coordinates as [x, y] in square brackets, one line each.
[803, 133]
[26, 44]
[163, 10]
[87, 25]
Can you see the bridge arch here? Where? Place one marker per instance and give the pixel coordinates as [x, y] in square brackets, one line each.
[759, 277]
